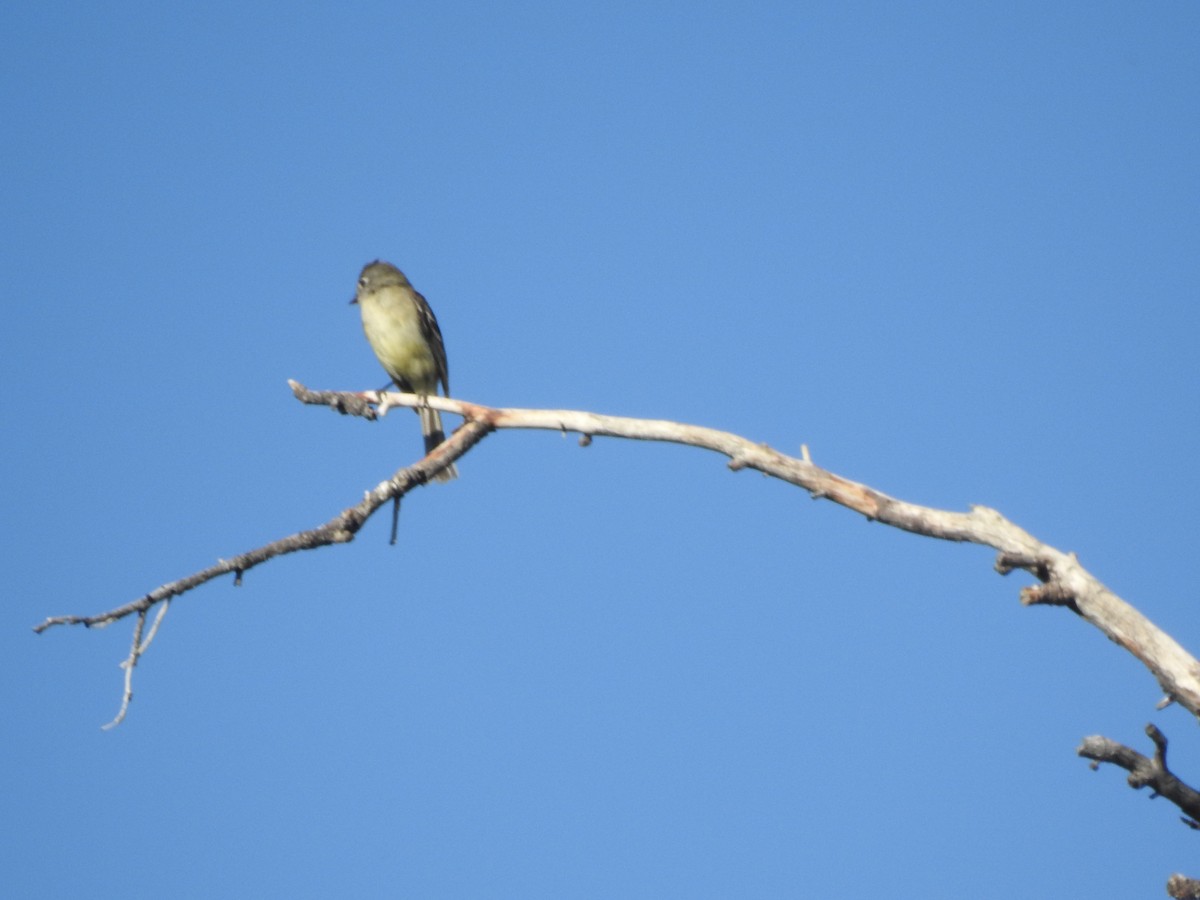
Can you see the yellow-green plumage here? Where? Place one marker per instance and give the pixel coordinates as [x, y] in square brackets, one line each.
[404, 333]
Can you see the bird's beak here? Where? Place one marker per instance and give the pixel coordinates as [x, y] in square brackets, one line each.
[353, 300]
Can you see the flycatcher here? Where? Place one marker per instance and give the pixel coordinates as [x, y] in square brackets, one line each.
[404, 334]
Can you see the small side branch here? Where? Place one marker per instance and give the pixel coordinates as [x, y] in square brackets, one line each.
[135, 653]
[1146, 771]
[341, 529]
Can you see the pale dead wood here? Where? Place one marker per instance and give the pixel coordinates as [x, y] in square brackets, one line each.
[1062, 580]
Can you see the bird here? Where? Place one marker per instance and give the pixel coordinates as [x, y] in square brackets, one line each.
[402, 330]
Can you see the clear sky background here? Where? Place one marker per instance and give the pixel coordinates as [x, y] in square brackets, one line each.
[951, 247]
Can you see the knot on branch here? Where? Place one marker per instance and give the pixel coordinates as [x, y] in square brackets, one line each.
[1054, 593]
[1053, 590]
[1009, 561]
[355, 405]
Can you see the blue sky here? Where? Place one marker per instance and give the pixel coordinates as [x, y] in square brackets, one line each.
[950, 247]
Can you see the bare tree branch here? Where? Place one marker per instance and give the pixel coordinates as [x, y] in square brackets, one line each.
[1146, 771]
[135, 653]
[1182, 888]
[1063, 581]
[338, 530]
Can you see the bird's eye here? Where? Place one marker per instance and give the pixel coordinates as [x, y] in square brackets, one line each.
[362, 282]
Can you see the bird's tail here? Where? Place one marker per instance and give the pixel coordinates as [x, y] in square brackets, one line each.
[431, 427]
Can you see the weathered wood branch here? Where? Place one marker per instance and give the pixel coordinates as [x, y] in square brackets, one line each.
[1146, 771]
[1183, 888]
[1062, 580]
[339, 530]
